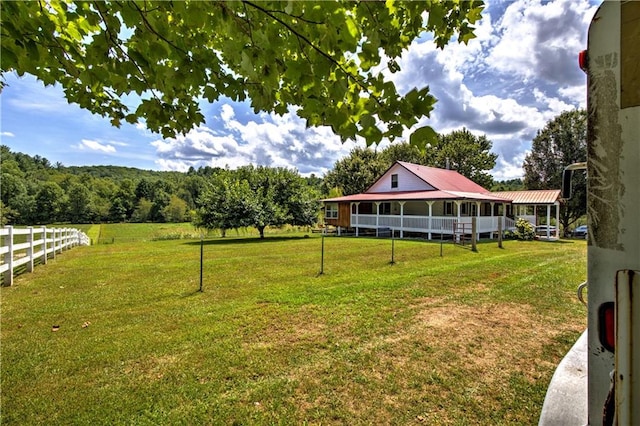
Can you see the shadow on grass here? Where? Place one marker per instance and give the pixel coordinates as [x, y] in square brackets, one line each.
[246, 240]
[192, 293]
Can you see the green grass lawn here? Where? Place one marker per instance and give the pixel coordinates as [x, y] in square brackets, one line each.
[467, 338]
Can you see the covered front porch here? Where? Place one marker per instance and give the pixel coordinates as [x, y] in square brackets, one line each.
[429, 219]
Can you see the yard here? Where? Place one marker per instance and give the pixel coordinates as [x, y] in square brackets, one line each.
[467, 338]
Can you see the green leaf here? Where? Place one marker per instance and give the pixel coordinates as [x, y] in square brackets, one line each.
[423, 136]
[277, 54]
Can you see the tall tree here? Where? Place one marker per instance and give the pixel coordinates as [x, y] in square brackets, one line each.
[80, 207]
[225, 203]
[563, 141]
[50, 201]
[465, 153]
[356, 172]
[259, 197]
[321, 57]
[280, 197]
[403, 152]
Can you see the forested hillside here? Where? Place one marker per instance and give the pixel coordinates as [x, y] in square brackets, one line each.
[33, 191]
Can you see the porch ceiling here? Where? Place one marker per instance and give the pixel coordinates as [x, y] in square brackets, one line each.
[419, 196]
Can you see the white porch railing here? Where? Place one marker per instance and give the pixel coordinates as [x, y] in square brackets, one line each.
[25, 246]
[428, 224]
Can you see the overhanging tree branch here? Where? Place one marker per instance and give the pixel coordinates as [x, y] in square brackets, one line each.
[317, 49]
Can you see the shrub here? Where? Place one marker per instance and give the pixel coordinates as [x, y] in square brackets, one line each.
[524, 230]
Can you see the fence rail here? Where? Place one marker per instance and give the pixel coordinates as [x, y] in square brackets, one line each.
[28, 246]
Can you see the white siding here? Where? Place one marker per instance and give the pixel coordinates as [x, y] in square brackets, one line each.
[416, 208]
[407, 181]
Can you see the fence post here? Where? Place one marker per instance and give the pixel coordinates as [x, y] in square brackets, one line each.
[45, 244]
[8, 258]
[474, 236]
[55, 241]
[30, 249]
[499, 232]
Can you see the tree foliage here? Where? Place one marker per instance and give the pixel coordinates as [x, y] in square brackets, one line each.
[355, 173]
[322, 59]
[508, 185]
[562, 142]
[465, 153]
[34, 192]
[259, 197]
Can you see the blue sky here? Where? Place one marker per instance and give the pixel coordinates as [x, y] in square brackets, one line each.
[519, 73]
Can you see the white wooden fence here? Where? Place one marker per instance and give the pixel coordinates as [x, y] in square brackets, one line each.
[27, 246]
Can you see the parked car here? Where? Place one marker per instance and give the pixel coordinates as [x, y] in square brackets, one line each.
[581, 231]
[542, 230]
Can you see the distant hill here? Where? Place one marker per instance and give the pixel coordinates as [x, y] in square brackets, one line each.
[117, 173]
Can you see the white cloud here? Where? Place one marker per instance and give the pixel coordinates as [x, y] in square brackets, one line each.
[227, 113]
[512, 169]
[270, 139]
[576, 95]
[7, 134]
[87, 144]
[541, 40]
[517, 74]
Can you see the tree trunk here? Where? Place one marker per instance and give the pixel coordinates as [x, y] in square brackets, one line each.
[261, 230]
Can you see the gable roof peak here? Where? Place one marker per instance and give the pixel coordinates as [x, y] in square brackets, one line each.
[443, 179]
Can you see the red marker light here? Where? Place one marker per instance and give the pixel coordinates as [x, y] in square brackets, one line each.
[607, 326]
[582, 60]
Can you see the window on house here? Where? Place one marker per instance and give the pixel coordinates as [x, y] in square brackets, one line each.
[385, 208]
[448, 208]
[465, 209]
[331, 211]
[394, 181]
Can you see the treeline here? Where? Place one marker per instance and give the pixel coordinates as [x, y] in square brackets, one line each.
[33, 191]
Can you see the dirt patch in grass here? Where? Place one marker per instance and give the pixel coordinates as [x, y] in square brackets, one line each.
[487, 336]
[445, 362]
[288, 329]
[149, 368]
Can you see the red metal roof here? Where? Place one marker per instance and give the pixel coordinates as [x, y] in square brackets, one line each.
[444, 180]
[449, 184]
[542, 196]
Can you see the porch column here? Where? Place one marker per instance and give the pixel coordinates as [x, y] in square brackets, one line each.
[377, 215]
[557, 204]
[492, 215]
[357, 216]
[458, 220]
[402, 218]
[430, 203]
[478, 220]
[549, 220]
